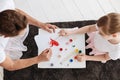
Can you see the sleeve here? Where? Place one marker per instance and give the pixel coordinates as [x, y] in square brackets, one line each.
[3, 42]
[2, 55]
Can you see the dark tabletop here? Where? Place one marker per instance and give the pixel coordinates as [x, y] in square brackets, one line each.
[93, 70]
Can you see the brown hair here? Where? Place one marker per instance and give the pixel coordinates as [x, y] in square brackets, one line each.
[12, 22]
[110, 23]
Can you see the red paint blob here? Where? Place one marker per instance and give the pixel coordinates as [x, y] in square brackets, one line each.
[75, 57]
[60, 49]
[70, 40]
[54, 43]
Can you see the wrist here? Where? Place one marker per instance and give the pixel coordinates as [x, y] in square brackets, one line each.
[42, 25]
[70, 33]
[39, 24]
[87, 57]
[38, 59]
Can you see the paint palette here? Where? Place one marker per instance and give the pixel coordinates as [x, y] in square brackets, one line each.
[64, 49]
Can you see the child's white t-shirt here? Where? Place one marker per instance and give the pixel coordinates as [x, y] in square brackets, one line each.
[104, 45]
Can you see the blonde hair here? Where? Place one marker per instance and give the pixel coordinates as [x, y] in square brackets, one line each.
[110, 23]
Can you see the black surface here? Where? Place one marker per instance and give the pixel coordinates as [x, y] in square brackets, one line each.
[93, 71]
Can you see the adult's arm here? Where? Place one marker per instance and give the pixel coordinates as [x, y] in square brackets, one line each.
[37, 23]
[11, 65]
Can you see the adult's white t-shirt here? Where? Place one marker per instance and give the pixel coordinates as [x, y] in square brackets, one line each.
[4, 5]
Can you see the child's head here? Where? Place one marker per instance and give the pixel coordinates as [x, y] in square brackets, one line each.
[12, 23]
[110, 23]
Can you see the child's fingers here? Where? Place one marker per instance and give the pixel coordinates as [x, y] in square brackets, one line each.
[80, 54]
[79, 57]
[62, 33]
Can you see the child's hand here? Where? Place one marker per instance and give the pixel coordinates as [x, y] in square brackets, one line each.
[81, 57]
[45, 55]
[64, 33]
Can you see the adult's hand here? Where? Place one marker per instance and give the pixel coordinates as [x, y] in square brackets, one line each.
[49, 27]
[45, 55]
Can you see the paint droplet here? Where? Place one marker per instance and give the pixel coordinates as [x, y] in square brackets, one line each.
[80, 51]
[75, 57]
[70, 40]
[76, 50]
[60, 49]
[73, 45]
[71, 60]
[51, 64]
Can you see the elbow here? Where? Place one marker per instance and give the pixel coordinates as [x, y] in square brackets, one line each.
[10, 68]
[89, 28]
[106, 58]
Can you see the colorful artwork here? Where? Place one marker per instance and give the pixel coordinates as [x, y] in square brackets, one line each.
[64, 49]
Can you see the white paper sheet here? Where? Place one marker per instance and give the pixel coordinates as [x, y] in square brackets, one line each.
[67, 54]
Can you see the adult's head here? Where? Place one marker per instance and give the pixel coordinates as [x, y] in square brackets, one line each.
[12, 23]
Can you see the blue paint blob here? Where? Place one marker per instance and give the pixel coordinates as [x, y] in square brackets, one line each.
[71, 60]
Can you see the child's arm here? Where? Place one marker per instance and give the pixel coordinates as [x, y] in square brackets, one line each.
[83, 57]
[82, 30]
[85, 29]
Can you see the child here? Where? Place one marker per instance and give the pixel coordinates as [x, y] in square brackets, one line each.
[104, 38]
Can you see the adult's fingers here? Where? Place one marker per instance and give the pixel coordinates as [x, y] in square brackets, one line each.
[46, 50]
[50, 50]
[53, 28]
[47, 29]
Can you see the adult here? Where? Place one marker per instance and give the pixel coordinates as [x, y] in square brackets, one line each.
[5, 60]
